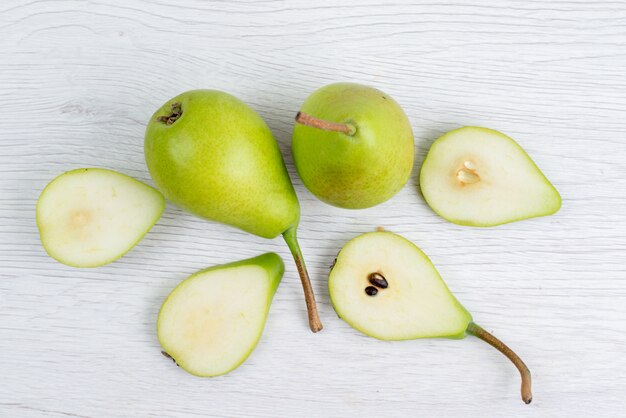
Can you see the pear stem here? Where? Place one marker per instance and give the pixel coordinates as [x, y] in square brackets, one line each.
[308, 120]
[292, 241]
[478, 331]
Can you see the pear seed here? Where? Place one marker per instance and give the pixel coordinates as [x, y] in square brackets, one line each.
[469, 165]
[378, 280]
[371, 291]
[466, 176]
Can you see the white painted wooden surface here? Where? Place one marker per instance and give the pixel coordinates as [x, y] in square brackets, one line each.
[79, 79]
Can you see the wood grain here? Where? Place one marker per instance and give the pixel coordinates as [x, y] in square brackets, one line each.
[81, 78]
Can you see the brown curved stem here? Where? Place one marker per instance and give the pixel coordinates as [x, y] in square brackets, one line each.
[308, 120]
[479, 332]
[292, 241]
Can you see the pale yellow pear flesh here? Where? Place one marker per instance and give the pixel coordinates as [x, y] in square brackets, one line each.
[92, 216]
[416, 303]
[212, 321]
[480, 177]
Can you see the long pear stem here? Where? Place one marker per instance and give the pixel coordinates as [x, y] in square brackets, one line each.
[308, 120]
[478, 331]
[292, 241]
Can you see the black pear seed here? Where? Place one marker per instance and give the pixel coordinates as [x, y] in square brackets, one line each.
[378, 280]
[371, 290]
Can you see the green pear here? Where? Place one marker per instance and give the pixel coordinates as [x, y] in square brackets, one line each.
[352, 145]
[215, 157]
[480, 177]
[212, 321]
[92, 216]
[387, 288]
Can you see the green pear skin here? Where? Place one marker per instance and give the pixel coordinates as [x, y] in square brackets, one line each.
[352, 145]
[212, 321]
[412, 302]
[212, 155]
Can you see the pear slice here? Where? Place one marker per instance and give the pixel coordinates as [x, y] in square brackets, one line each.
[92, 216]
[480, 177]
[387, 288]
[212, 321]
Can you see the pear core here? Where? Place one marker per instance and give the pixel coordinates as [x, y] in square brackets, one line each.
[467, 173]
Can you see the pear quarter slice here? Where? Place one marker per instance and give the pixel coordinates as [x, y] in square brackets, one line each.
[387, 288]
[480, 177]
[92, 216]
[212, 321]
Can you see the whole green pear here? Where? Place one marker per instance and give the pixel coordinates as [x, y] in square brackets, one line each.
[212, 155]
[352, 145]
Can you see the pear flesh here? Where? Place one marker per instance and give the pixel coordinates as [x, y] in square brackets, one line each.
[212, 321]
[91, 216]
[480, 177]
[413, 302]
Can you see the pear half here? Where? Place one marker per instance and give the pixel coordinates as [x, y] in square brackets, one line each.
[480, 177]
[387, 288]
[212, 321]
[92, 216]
